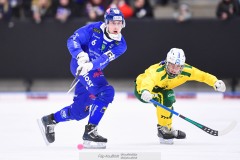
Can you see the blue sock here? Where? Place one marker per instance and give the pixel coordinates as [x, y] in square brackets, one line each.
[97, 111]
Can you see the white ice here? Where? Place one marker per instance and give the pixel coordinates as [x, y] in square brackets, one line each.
[128, 124]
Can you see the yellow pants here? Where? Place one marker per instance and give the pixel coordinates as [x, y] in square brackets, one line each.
[166, 98]
[164, 117]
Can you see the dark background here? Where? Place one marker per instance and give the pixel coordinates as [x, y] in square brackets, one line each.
[32, 51]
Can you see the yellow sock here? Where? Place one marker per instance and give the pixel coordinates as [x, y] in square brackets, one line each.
[164, 117]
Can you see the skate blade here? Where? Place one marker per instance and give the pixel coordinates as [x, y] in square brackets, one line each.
[166, 141]
[42, 129]
[94, 145]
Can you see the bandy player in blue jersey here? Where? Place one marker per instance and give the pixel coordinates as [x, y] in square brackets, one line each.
[92, 48]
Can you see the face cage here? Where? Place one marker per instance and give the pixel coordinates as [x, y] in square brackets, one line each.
[172, 75]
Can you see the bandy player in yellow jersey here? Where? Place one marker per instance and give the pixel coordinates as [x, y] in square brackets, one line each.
[157, 83]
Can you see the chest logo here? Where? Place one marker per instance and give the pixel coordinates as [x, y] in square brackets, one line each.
[103, 47]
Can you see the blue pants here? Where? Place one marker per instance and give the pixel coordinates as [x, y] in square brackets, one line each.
[92, 96]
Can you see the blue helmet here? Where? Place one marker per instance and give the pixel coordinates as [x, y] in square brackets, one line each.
[114, 14]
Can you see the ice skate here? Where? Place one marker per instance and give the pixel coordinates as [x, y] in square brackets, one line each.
[91, 139]
[166, 135]
[178, 134]
[46, 125]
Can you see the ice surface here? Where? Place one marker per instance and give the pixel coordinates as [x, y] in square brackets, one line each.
[128, 124]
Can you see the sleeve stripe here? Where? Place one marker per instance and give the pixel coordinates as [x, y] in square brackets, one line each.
[186, 73]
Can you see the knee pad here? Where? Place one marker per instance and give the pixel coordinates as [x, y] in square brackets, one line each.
[106, 94]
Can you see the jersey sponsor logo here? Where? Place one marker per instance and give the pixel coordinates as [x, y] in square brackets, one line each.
[103, 47]
[93, 53]
[63, 114]
[105, 62]
[87, 79]
[104, 42]
[110, 55]
[171, 95]
[96, 30]
[111, 46]
[164, 117]
[94, 35]
[92, 96]
[97, 74]
[94, 42]
[103, 109]
[75, 44]
[75, 36]
[86, 108]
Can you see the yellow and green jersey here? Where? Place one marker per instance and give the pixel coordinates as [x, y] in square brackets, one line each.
[156, 76]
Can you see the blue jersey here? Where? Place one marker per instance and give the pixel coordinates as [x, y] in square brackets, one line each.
[92, 40]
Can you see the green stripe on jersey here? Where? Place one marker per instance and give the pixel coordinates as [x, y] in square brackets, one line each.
[164, 76]
[160, 69]
[187, 66]
[186, 74]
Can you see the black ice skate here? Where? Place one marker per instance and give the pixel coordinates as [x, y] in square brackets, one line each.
[91, 138]
[46, 125]
[166, 135]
